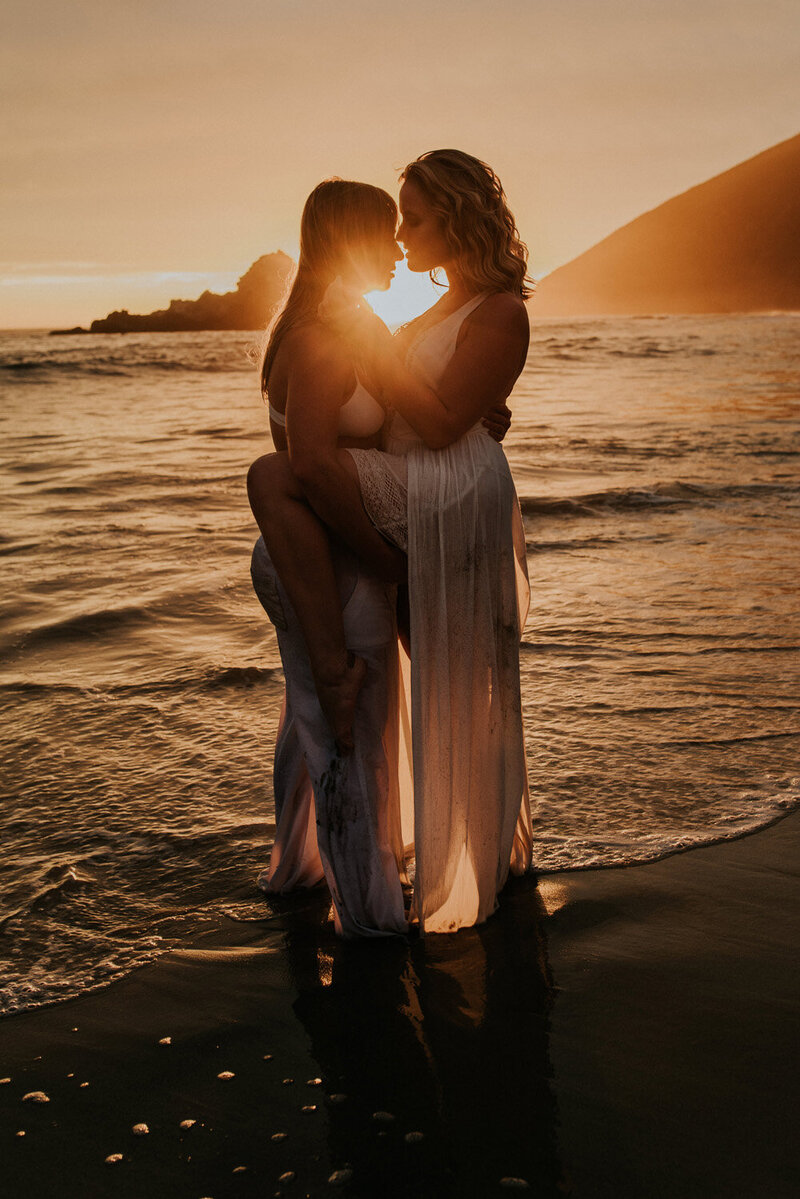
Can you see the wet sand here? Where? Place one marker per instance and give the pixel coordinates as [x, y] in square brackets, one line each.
[624, 1032]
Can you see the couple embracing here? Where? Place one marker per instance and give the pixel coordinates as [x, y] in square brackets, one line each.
[392, 557]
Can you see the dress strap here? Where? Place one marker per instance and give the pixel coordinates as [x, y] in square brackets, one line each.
[459, 315]
[278, 417]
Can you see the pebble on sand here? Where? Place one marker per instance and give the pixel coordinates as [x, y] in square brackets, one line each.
[413, 1138]
[267, 1057]
[188, 1123]
[289, 1176]
[113, 1158]
[515, 1184]
[226, 1074]
[140, 1130]
[3, 1081]
[383, 1117]
[278, 1136]
[340, 1178]
[165, 1041]
[309, 1107]
[36, 1097]
[287, 1082]
[239, 1169]
[21, 1132]
[84, 1084]
[314, 1082]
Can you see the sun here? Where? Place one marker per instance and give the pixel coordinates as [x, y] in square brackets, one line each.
[409, 295]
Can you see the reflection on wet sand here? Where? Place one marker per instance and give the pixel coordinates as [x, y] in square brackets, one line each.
[448, 1037]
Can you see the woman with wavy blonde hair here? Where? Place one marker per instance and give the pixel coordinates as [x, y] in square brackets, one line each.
[467, 198]
[441, 491]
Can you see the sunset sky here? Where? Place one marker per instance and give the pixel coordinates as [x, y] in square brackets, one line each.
[151, 150]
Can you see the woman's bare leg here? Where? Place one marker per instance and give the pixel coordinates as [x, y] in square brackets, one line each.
[298, 544]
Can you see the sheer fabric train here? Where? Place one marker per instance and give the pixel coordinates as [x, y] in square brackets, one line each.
[469, 598]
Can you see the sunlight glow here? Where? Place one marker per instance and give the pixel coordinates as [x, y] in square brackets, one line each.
[409, 295]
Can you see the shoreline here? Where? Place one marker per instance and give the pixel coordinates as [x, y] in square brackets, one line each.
[542, 875]
[677, 851]
[619, 1031]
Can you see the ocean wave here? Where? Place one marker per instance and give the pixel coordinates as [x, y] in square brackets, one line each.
[87, 625]
[43, 892]
[663, 495]
[44, 368]
[213, 679]
[725, 742]
[16, 547]
[575, 349]
[653, 350]
[129, 363]
[558, 854]
[46, 982]
[237, 676]
[583, 543]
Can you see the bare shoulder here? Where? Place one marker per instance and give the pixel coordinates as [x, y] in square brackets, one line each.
[313, 354]
[504, 308]
[311, 347]
[502, 315]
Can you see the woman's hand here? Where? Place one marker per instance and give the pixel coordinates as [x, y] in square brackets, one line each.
[347, 314]
[498, 421]
[340, 307]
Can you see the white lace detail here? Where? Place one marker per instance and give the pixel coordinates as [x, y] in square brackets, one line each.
[384, 496]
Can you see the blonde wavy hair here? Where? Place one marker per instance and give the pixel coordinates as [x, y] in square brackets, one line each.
[341, 218]
[480, 230]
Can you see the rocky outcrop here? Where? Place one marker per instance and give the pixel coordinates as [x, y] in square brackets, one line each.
[257, 296]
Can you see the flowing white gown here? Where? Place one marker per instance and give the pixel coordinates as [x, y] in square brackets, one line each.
[469, 597]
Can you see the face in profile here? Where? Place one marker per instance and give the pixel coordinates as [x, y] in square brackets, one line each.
[421, 230]
[372, 263]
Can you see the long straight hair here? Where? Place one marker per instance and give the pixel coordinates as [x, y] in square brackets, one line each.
[479, 227]
[339, 217]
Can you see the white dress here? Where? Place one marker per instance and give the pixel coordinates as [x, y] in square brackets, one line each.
[337, 815]
[469, 595]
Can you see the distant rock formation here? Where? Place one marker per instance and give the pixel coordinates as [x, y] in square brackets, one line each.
[731, 244]
[258, 294]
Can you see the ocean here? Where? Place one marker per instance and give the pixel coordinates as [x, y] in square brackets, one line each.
[656, 461]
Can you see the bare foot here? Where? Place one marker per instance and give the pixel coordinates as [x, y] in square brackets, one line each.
[338, 701]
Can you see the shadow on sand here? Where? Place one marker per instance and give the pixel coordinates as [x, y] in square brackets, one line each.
[446, 1035]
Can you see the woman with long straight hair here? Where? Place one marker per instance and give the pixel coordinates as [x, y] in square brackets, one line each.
[347, 231]
[440, 490]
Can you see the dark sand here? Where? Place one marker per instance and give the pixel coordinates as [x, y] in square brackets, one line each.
[627, 1032]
